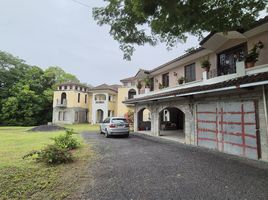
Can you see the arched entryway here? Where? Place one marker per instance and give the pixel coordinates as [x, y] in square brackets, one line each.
[144, 120]
[172, 123]
[131, 93]
[63, 98]
[99, 115]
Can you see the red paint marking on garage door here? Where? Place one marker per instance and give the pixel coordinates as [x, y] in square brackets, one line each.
[234, 129]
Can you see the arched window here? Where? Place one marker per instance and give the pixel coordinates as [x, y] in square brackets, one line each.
[131, 93]
[63, 98]
[166, 115]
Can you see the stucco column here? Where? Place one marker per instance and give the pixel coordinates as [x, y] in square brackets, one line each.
[135, 120]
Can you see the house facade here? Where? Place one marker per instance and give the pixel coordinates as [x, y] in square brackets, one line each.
[76, 103]
[223, 108]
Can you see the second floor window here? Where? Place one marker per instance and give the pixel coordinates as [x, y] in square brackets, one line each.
[165, 80]
[190, 73]
[85, 98]
[78, 98]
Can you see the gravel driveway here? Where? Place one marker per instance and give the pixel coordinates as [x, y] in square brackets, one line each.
[143, 167]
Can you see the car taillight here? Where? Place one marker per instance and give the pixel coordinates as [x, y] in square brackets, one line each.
[126, 125]
[112, 125]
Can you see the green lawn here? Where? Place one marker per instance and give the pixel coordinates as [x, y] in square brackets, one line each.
[26, 179]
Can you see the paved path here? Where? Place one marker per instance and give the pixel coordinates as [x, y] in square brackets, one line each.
[143, 167]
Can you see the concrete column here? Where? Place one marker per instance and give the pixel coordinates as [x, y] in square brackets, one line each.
[135, 120]
[240, 69]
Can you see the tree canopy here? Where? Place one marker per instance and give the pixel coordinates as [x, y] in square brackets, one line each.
[26, 92]
[137, 22]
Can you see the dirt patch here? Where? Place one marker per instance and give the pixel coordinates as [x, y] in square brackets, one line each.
[47, 128]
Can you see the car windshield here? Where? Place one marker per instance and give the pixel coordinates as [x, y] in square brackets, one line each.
[119, 121]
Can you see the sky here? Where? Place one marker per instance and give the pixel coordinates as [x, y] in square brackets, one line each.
[63, 33]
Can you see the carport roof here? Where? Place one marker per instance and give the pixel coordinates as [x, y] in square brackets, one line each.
[237, 82]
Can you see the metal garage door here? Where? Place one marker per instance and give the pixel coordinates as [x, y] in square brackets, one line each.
[228, 127]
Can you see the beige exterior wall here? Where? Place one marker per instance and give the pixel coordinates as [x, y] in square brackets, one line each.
[122, 108]
[90, 99]
[72, 98]
[263, 59]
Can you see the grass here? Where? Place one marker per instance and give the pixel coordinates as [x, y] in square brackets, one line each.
[26, 179]
[83, 127]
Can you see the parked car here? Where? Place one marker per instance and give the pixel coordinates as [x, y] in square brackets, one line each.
[114, 126]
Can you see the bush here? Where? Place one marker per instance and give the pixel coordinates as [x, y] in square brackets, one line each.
[52, 154]
[66, 141]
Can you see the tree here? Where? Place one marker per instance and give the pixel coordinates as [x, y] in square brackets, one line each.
[26, 92]
[56, 75]
[170, 20]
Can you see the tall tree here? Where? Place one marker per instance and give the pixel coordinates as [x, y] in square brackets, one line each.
[26, 92]
[137, 22]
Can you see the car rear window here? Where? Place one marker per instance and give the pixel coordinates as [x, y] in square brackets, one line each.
[119, 120]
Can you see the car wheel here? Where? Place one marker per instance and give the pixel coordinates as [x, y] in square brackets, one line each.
[107, 135]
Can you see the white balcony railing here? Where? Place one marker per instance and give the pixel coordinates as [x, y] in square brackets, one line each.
[61, 103]
[206, 80]
[100, 101]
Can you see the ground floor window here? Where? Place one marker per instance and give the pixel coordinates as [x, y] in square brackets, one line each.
[59, 116]
[76, 116]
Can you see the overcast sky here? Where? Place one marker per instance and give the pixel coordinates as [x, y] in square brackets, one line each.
[63, 33]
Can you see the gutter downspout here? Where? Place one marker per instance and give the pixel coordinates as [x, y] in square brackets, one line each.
[265, 110]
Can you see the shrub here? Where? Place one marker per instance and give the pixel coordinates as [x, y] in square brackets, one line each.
[66, 141]
[52, 154]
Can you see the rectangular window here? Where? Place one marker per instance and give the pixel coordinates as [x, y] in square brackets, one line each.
[151, 84]
[65, 87]
[85, 98]
[189, 71]
[71, 87]
[110, 98]
[165, 80]
[63, 117]
[76, 116]
[78, 97]
[109, 113]
[59, 116]
[228, 58]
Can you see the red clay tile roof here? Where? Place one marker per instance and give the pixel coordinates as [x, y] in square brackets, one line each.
[205, 88]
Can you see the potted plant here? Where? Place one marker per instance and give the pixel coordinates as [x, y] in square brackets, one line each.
[160, 86]
[254, 54]
[205, 64]
[139, 86]
[147, 82]
[181, 80]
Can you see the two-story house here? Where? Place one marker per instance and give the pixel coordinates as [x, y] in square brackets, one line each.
[223, 107]
[75, 103]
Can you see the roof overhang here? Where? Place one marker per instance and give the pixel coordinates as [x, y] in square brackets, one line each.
[216, 40]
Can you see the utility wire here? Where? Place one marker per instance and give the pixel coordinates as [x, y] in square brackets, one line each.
[82, 4]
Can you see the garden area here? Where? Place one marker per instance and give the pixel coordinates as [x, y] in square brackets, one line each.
[33, 177]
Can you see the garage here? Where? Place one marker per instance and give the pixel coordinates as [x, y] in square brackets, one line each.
[230, 127]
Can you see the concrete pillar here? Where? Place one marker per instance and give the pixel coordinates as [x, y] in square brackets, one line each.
[240, 69]
[135, 120]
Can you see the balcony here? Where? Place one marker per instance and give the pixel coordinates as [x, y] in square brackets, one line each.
[212, 78]
[100, 101]
[61, 103]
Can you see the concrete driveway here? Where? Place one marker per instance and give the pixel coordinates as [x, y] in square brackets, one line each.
[143, 167]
